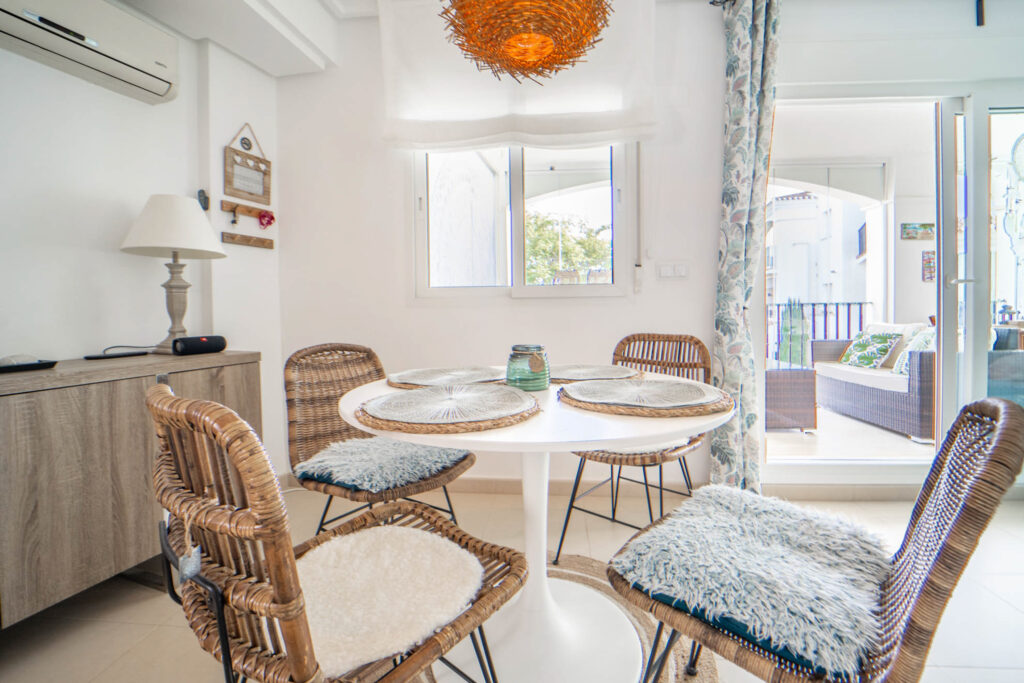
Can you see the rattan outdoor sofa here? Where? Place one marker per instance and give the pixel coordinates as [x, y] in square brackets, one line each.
[902, 403]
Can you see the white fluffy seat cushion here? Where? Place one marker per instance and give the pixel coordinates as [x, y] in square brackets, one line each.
[382, 590]
[807, 583]
[377, 464]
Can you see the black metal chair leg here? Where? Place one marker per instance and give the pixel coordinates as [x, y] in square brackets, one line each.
[456, 670]
[661, 493]
[654, 650]
[487, 654]
[327, 507]
[479, 656]
[168, 579]
[611, 482]
[686, 475]
[672, 638]
[619, 489]
[215, 600]
[647, 492]
[691, 663]
[451, 508]
[568, 510]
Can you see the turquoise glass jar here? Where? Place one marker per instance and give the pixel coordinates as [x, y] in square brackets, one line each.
[528, 368]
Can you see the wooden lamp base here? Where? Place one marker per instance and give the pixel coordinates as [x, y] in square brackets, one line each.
[177, 302]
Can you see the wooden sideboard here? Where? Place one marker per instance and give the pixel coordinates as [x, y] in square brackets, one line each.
[76, 454]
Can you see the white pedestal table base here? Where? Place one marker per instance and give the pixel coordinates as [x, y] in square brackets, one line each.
[553, 631]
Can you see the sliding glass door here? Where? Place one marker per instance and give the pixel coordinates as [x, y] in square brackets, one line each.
[981, 260]
[1005, 361]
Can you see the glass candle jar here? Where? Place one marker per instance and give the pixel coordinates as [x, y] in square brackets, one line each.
[528, 368]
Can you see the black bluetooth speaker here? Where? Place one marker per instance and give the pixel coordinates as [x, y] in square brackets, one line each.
[186, 346]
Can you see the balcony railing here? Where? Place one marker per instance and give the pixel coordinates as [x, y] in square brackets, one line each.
[792, 327]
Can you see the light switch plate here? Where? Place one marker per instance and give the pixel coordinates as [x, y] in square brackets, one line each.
[672, 271]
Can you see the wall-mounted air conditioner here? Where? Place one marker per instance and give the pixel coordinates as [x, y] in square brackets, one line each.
[96, 41]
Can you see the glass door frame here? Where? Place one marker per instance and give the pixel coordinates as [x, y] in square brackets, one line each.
[949, 284]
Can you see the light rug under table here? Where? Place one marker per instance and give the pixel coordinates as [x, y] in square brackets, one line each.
[591, 573]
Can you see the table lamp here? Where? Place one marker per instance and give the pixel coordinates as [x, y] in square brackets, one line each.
[175, 226]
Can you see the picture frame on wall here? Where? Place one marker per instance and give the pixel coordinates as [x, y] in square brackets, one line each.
[917, 231]
[246, 174]
[928, 265]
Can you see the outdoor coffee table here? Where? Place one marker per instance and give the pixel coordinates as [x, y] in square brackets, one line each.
[555, 630]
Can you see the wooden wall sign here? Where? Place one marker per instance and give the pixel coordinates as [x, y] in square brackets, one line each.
[246, 240]
[246, 175]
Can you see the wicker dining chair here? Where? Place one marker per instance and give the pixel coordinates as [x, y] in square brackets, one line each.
[314, 379]
[213, 477]
[978, 462]
[680, 355]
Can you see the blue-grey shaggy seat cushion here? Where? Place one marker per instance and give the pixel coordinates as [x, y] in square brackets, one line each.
[377, 464]
[799, 583]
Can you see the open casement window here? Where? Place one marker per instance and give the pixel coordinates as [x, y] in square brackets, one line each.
[525, 221]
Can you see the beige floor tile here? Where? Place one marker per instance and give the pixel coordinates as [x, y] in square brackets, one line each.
[40, 650]
[1008, 587]
[978, 629]
[118, 600]
[843, 438]
[998, 552]
[168, 654]
[730, 673]
[960, 674]
[1010, 518]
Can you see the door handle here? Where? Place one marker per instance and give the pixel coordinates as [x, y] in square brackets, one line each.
[950, 281]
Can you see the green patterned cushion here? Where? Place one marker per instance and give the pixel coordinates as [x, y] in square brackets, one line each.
[870, 350]
[924, 340]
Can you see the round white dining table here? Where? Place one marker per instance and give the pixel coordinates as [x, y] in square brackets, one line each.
[554, 630]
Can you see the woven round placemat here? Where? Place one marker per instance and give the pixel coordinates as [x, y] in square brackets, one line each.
[723, 404]
[442, 409]
[432, 377]
[564, 374]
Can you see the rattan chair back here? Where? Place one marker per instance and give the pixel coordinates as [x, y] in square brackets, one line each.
[978, 462]
[314, 379]
[680, 355]
[214, 478]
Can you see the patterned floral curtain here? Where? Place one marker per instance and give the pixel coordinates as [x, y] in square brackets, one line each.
[751, 57]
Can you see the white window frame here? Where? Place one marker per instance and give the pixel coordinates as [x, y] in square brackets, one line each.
[624, 231]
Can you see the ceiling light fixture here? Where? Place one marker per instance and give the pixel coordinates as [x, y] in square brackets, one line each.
[525, 38]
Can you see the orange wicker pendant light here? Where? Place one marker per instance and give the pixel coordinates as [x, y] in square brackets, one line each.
[525, 38]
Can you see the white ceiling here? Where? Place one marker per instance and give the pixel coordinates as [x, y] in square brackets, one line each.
[281, 37]
[351, 9]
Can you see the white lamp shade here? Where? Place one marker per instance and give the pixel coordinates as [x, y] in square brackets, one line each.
[172, 223]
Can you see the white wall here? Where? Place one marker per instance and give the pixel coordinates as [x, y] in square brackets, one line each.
[78, 163]
[909, 41]
[795, 223]
[245, 292]
[346, 255]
